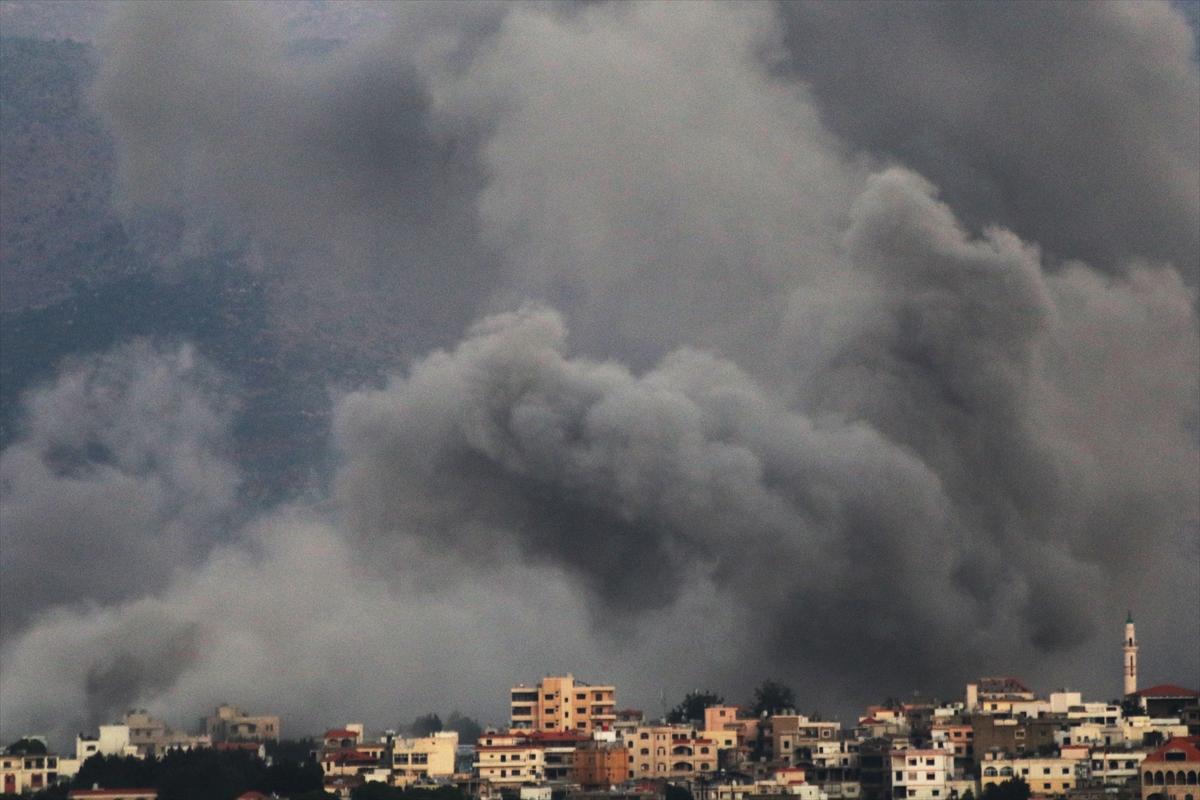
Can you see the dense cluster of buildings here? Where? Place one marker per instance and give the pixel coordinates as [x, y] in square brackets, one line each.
[568, 739]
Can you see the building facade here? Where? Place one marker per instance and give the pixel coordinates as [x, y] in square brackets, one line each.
[230, 724]
[1172, 772]
[562, 703]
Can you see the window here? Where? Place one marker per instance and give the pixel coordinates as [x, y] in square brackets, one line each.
[899, 776]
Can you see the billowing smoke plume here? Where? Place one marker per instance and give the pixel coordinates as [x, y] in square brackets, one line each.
[939, 459]
[119, 476]
[743, 397]
[1073, 124]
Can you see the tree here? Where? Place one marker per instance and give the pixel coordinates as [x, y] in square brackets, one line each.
[425, 725]
[468, 730]
[27, 747]
[693, 705]
[673, 792]
[772, 697]
[1012, 789]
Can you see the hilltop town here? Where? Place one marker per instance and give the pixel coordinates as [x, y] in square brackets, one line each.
[569, 740]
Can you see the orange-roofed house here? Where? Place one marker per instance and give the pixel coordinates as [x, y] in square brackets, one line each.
[1172, 771]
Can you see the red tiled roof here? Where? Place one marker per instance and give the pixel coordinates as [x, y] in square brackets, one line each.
[252, 796]
[346, 756]
[1167, 690]
[1190, 745]
[340, 733]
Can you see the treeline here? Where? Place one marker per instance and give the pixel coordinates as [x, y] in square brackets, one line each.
[202, 774]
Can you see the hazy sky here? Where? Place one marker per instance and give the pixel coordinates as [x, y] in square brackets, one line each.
[853, 345]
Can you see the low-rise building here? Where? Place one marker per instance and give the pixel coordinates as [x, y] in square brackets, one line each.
[787, 782]
[32, 772]
[423, 757]
[1172, 771]
[1045, 776]
[1114, 767]
[112, 740]
[112, 794]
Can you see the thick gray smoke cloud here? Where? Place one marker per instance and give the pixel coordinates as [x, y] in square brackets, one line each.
[1071, 123]
[329, 168]
[118, 476]
[809, 419]
[945, 467]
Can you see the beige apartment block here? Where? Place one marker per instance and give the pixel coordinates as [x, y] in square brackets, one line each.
[152, 737]
[508, 761]
[669, 751]
[1045, 776]
[424, 757]
[562, 703]
[232, 724]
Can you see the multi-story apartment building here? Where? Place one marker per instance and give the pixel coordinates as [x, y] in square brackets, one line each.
[921, 774]
[790, 731]
[1172, 772]
[1114, 767]
[957, 737]
[504, 760]
[562, 703]
[230, 724]
[669, 751]
[1014, 736]
[1045, 776]
[152, 737]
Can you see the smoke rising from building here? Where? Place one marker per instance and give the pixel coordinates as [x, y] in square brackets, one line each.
[876, 378]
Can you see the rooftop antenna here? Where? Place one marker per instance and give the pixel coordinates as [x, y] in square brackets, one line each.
[662, 699]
